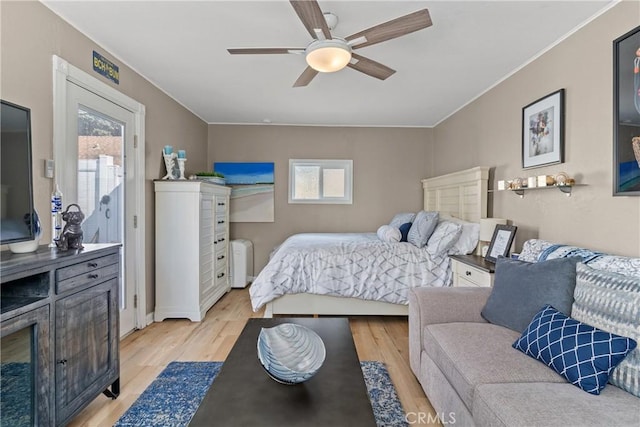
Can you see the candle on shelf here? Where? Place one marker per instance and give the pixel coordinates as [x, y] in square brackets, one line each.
[182, 154]
[168, 149]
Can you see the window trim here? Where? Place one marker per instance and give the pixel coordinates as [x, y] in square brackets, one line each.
[346, 165]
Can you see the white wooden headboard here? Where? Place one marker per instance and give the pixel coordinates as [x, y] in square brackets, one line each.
[460, 194]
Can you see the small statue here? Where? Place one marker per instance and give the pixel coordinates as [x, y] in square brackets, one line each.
[71, 236]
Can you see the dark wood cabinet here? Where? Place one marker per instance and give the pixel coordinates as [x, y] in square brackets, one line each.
[86, 349]
[69, 303]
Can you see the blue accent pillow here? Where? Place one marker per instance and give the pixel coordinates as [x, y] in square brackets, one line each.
[422, 228]
[521, 288]
[584, 355]
[404, 231]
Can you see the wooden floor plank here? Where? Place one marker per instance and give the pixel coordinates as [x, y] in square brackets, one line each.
[145, 353]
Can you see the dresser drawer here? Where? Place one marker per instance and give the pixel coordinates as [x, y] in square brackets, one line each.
[469, 276]
[87, 278]
[462, 282]
[221, 257]
[221, 274]
[220, 241]
[221, 205]
[221, 222]
[86, 267]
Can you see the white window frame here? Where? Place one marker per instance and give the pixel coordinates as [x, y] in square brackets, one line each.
[347, 165]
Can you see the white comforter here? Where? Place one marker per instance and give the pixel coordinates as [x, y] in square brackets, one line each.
[355, 265]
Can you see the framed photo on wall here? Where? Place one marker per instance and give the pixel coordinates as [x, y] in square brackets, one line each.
[543, 131]
[626, 114]
[501, 241]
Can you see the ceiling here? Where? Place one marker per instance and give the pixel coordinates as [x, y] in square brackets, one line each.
[180, 46]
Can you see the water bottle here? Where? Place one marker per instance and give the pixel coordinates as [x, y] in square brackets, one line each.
[56, 216]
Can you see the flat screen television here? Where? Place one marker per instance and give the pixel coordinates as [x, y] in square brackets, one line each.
[17, 218]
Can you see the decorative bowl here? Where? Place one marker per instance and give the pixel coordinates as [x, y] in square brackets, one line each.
[290, 353]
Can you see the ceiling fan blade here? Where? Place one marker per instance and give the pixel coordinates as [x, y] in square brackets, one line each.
[311, 16]
[370, 67]
[265, 50]
[395, 28]
[306, 77]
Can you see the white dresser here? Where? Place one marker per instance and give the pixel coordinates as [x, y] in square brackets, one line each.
[192, 250]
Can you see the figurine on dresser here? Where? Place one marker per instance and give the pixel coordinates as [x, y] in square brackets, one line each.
[71, 236]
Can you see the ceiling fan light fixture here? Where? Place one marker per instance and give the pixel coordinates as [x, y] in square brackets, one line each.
[328, 56]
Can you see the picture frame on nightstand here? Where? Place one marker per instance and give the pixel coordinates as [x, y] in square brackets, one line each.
[501, 242]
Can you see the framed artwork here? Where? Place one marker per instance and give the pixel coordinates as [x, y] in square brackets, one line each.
[626, 114]
[252, 190]
[501, 242]
[543, 131]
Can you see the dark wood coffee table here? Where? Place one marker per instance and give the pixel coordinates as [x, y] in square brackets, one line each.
[244, 395]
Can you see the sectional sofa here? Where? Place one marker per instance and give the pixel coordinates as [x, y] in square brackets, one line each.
[473, 375]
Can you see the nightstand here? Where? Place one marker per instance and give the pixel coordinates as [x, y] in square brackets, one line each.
[472, 270]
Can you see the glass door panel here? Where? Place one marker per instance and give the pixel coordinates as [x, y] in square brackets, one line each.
[100, 176]
[17, 391]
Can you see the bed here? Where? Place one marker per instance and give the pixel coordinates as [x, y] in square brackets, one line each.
[356, 263]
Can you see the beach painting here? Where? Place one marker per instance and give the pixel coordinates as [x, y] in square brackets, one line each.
[252, 185]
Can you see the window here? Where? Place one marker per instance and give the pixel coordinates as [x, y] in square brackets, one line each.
[321, 181]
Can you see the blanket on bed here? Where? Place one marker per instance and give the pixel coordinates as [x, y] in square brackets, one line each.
[357, 265]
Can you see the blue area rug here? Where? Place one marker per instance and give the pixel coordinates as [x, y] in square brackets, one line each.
[173, 398]
[15, 390]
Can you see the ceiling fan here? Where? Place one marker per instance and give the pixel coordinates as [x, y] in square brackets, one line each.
[329, 54]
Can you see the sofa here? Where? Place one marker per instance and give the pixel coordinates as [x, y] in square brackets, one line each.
[473, 376]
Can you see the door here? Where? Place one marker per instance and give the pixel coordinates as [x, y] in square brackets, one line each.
[101, 180]
[86, 350]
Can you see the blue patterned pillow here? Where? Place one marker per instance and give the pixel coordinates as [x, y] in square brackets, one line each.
[422, 228]
[584, 355]
[404, 231]
[611, 302]
[444, 236]
[402, 218]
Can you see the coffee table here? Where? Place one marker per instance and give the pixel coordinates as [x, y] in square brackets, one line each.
[244, 395]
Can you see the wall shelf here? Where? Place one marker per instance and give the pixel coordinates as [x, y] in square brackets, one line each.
[566, 189]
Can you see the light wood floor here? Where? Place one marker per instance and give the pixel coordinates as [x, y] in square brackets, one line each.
[144, 354]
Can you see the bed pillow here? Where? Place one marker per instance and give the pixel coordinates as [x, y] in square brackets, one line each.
[469, 237]
[404, 231]
[389, 234]
[520, 288]
[402, 218]
[584, 355]
[422, 228]
[443, 238]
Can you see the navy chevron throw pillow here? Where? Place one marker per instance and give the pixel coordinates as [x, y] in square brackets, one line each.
[584, 355]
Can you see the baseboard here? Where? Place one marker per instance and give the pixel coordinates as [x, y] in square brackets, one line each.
[149, 318]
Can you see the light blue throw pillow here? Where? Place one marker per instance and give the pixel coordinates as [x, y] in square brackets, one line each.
[402, 218]
[422, 228]
[521, 288]
[611, 302]
[584, 355]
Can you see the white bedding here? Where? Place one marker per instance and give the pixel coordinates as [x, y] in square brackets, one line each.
[355, 265]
